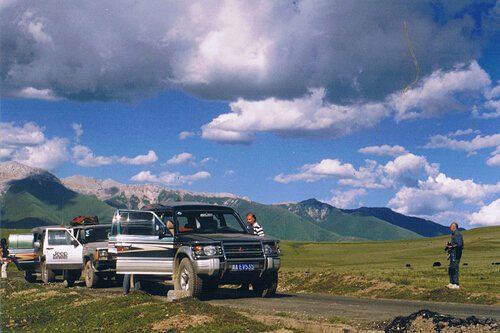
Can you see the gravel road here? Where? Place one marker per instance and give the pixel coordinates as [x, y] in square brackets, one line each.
[355, 309]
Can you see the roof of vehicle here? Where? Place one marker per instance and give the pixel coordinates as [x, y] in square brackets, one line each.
[42, 228]
[183, 205]
[88, 226]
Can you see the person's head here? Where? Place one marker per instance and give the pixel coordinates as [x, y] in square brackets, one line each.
[251, 218]
[3, 242]
[453, 226]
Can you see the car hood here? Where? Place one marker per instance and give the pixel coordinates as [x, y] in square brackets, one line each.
[213, 237]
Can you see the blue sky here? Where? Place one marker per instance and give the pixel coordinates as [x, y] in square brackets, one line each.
[275, 101]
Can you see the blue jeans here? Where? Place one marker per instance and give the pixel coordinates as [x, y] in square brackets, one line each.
[126, 283]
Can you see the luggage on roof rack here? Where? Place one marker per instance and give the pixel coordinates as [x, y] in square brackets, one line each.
[84, 220]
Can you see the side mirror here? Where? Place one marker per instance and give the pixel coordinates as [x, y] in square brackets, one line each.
[75, 243]
[37, 245]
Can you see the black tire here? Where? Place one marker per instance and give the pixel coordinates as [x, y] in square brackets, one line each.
[91, 278]
[188, 280]
[70, 277]
[48, 275]
[266, 285]
[30, 276]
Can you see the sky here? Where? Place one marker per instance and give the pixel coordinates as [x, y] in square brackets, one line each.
[355, 103]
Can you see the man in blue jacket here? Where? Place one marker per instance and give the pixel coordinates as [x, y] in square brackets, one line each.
[455, 253]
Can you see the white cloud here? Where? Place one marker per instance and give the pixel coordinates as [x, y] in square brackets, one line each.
[28, 135]
[85, 157]
[344, 199]
[438, 194]
[477, 143]
[28, 145]
[140, 159]
[384, 150]
[487, 215]
[169, 178]
[185, 135]
[406, 170]
[437, 94]
[494, 161]
[328, 168]
[183, 158]
[78, 131]
[309, 116]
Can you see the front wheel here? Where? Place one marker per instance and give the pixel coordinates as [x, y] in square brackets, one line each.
[91, 278]
[266, 285]
[188, 280]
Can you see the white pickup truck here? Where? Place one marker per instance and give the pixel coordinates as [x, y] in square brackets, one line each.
[52, 251]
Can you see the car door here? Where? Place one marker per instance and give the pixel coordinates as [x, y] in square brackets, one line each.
[142, 242]
[62, 250]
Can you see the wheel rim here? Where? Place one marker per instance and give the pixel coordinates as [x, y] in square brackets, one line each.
[184, 279]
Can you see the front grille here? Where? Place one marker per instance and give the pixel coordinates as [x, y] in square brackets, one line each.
[243, 250]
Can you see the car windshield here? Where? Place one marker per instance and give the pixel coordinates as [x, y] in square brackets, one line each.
[203, 221]
[96, 234]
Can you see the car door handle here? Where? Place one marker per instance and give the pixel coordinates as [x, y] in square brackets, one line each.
[49, 248]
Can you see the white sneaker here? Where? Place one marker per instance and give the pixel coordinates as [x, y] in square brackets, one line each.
[449, 285]
[455, 286]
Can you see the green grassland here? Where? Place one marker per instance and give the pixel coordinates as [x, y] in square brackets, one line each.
[396, 269]
[391, 269]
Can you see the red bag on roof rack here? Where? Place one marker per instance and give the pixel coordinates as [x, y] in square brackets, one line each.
[84, 220]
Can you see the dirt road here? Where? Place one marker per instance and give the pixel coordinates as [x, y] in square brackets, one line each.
[352, 308]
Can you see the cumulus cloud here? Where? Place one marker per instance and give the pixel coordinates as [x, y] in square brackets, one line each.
[487, 215]
[28, 145]
[477, 143]
[140, 159]
[437, 94]
[84, 157]
[78, 131]
[344, 199]
[170, 178]
[328, 168]
[437, 194]
[309, 116]
[225, 50]
[185, 135]
[404, 170]
[183, 158]
[384, 150]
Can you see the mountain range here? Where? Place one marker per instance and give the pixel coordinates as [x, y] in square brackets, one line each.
[33, 196]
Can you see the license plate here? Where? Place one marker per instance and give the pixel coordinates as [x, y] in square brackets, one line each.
[243, 267]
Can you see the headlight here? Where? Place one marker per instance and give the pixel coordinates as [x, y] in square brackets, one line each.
[208, 250]
[101, 254]
[271, 248]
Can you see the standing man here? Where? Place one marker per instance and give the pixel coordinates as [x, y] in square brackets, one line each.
[455, 253]
[4, 253]
[253, 226]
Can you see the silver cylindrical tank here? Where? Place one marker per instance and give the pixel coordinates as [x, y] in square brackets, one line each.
[21, 241]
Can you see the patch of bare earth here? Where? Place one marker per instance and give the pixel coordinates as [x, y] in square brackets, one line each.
[181, 322]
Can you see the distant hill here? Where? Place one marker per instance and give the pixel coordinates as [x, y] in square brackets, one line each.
[33, 196]
[354, 225]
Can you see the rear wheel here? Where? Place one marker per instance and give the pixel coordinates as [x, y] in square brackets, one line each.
[48, 275]
[91, 278]
[70, 276]
[266, 285]
[188, 280]
[30, 276]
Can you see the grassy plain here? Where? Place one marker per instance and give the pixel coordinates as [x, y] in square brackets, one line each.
[396, 269]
